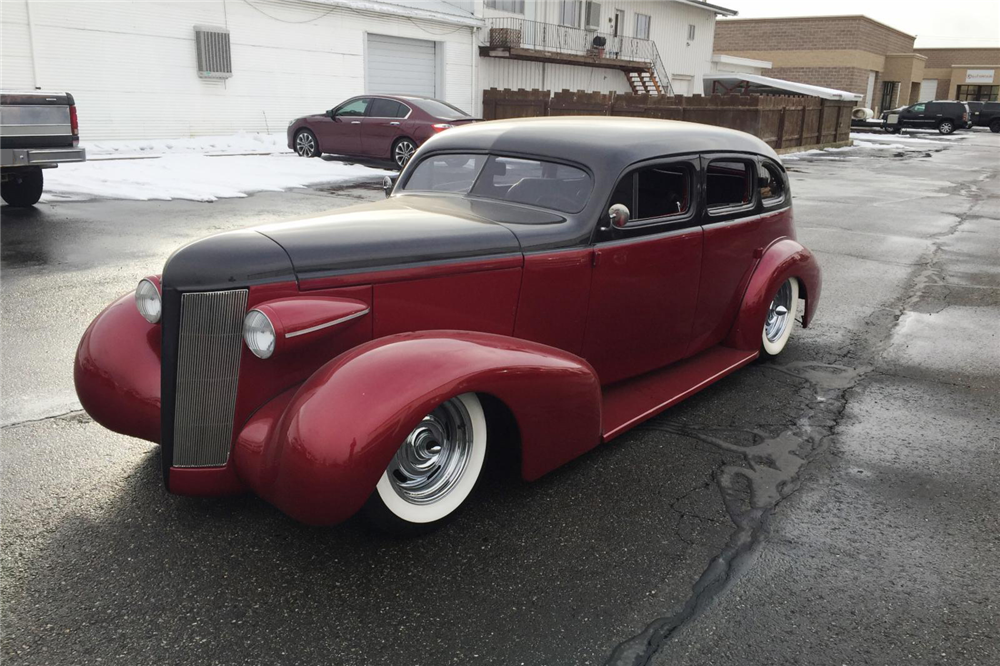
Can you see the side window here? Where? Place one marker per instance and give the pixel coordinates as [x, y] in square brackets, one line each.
[355, 108]
[727, 184]
[402, 110]
[918, 108]
[655, 192]
[384, 108]
[770, 184]
[662, 191]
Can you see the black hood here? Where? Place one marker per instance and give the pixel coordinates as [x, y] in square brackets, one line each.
[397, 232]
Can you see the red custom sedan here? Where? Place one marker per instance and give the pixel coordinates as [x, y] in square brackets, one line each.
[543, 284]
[376, 126]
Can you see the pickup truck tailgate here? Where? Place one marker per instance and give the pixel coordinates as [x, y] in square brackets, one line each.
[36, 120]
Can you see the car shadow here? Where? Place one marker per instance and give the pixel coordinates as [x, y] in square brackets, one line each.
[150, 569]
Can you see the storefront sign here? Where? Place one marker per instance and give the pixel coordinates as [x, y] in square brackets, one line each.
[979, 76]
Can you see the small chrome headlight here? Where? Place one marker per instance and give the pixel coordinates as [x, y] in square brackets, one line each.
[147, 300]
[258, 333]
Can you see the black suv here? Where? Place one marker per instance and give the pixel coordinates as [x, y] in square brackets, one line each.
[989, 116]
[944, 116]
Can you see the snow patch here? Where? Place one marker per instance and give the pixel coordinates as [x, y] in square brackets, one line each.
[196, 177]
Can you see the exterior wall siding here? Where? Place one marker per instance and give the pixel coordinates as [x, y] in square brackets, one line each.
[132, 66]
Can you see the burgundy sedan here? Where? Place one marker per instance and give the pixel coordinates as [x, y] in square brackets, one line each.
[376, 126]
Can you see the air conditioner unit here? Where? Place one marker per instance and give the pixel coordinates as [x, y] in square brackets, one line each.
[593, 21]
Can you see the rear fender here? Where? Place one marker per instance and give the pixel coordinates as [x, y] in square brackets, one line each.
[781, 260]
[318, 452]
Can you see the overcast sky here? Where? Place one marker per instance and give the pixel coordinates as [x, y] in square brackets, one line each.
[952, 23]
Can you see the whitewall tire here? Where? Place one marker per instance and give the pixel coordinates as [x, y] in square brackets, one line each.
[434, 470]
[780, 318]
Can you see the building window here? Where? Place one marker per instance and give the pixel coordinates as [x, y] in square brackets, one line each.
[642, 26]
[691, 31]
[977, 93]
[512, 6]
[569, 13]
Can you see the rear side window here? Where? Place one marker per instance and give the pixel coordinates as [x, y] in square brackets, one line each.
[386, 108]
[727, 184]
[770, 184]
[655, 192]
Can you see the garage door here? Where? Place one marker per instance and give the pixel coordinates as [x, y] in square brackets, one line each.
[928, 90]
[398, 66]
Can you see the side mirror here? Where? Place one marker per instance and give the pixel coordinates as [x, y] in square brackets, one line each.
[619, 215]
[387, 185]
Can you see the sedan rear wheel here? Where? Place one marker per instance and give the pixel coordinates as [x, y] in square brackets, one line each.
[402, 151]
[780, 318]
[434, 470]
[306, 144]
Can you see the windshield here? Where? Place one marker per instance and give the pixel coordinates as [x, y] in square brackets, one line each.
[517, 180]
[438, 109]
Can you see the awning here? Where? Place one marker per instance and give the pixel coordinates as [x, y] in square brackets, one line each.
[726, 83]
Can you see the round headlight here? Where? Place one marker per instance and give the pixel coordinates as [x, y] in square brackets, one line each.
[147, 300]
[258, 333]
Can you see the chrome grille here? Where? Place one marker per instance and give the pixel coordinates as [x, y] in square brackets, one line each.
[208, 363]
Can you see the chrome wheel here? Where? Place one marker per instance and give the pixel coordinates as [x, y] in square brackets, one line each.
[403, 152]
[435, 455]
[305, 144]
[946, 128]
[778, 313]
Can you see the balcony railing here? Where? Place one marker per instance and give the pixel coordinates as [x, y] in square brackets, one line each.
[549, 41]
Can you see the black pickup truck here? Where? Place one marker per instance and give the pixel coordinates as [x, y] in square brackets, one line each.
[38, 130]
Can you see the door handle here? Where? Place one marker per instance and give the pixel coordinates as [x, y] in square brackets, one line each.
[355, 122]
[394, 123]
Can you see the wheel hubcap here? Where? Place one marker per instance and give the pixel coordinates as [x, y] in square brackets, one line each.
[305, 145]
[777, 314]
[434, 456]
[404, 151]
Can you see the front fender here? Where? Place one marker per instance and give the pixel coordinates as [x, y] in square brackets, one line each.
[117, 371]
[317, 452]
[781, 260]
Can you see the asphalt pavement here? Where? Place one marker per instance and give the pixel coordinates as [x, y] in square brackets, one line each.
[836, 506]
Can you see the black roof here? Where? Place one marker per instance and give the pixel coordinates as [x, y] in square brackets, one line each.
[616, 142]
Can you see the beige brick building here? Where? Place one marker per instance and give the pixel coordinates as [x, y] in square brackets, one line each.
[863, 56]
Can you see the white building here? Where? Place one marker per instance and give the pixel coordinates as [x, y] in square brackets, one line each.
[175, 68]
[675, 36]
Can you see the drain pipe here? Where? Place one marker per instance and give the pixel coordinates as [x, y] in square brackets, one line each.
[31, 46]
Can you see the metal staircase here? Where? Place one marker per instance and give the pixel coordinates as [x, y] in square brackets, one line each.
[652, 80]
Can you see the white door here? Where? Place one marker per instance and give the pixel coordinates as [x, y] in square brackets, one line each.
[869, 103]
[928, 90]
[399, 66]
[681, 84]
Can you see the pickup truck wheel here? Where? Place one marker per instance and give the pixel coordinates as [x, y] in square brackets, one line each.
[434, 471]
[995, 126]
[306, 144]
[780, 318]
[23, 187]
[946, 127]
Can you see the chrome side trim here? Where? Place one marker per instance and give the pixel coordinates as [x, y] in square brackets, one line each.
[209, 346]
[328, 324]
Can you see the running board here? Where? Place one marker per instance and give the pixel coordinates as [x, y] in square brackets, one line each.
[632, 401]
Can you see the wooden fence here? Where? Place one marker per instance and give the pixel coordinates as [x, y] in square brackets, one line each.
[785, 123]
